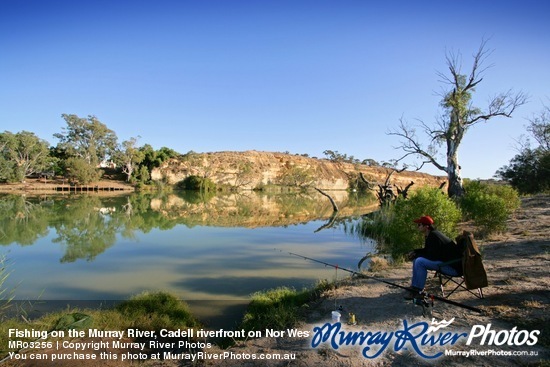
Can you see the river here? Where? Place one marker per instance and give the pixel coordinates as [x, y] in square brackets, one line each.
[211, 251]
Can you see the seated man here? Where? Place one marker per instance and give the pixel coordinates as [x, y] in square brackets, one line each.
[438, 249]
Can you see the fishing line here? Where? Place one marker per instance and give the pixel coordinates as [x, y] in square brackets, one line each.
[361, 275]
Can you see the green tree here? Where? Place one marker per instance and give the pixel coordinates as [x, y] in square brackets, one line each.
[23, 154]
[149, 157]
[87, 139]
[143, 174]
[164, 153]
[529, 171]
[457, 117]
[78, 170]
[153, 158]
[6, 169]
[335, 156]
[128, 156]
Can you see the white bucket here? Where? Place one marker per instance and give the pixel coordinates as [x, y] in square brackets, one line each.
[336, 316]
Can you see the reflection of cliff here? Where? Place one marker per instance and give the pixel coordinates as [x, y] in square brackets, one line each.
[251, 209]
[254, 169]
[85, 226]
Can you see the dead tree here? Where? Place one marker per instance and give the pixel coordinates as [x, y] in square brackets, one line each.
[332, 219]
[369, 185]
[386, 194]
[404, 192]
[334, 206]
[457, 117]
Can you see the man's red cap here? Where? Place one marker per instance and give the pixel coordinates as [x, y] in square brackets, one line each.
[425, 220]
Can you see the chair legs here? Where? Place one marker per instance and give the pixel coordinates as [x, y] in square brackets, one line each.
[459, 282]
[479, 293]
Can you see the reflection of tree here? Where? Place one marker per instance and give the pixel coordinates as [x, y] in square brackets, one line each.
[85, 231]
[136, 214]
[88, 225]
[21, 220]
[329, 223]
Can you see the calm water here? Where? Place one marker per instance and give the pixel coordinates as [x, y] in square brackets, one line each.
[210, 251]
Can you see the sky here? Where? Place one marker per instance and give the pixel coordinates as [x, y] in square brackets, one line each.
[269, 75]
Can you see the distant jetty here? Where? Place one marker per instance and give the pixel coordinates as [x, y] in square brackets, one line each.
[36, 186]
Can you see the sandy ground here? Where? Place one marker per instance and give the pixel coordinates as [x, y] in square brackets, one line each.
[517, 263]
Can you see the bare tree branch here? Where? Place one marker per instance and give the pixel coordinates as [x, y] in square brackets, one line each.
[458, 115]
[411, 146]
[502, 105]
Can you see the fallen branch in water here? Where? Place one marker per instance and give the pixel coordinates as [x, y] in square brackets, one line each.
[334, 206]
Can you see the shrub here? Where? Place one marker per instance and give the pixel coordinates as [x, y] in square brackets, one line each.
[197, 183]
[157, 310]
[278, 308]
[393, 225]
[489, 205]
[78, 170]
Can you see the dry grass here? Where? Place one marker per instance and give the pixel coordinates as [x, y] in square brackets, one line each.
[378, 264]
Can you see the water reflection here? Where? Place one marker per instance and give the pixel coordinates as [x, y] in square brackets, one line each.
[217, 248]
[88, 225]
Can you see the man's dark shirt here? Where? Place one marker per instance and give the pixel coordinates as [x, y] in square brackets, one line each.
[438, 247]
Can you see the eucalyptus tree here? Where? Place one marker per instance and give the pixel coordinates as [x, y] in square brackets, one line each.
[458, 115]
[129, 156]
[22, 154]
[87, 138]
[529, 170]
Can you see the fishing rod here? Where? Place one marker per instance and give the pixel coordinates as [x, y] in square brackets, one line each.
[424, 294]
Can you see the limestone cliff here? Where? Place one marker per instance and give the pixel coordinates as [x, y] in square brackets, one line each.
[253, 169]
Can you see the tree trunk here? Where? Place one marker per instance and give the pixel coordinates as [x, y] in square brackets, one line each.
[455, 189]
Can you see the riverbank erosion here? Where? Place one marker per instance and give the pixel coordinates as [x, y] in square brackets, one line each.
[517, 264]
[255, 170]
[248, 170]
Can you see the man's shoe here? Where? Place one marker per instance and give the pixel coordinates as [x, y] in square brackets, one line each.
[411, 294]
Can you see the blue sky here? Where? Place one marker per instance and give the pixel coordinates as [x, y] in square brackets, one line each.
[268, 75]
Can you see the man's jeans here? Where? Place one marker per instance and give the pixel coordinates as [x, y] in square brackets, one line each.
[420, 271]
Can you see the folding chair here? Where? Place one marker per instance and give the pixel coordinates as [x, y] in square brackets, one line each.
[473, 277]
[458, 281]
